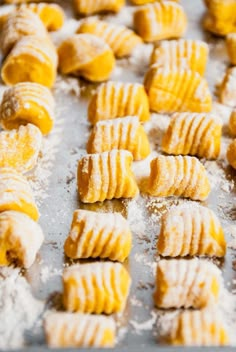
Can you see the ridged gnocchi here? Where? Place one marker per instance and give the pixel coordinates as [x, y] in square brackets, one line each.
[231, 154]
[186, 53]
[33, 59]
[231, 46]
[121, 133]
[186, 283]
[90, 7]
[193, 134]
[118, 99]
[20, 148]
[101, 287]
[106, 175]
[189, 230]
[177, 89]
[161, 20]
[227, 90]
[182, 176]
[104, 235]
[217, 26]
[79, 330]
[27, 103]
[232, 123]
[16, 193]
[20, 239]
[86, 55]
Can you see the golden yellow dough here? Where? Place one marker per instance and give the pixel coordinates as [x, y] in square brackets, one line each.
[19, 1]
[231, 154]
[189, 230]
[121, 133]
[106, 175]
[118, 99]
[27, 103]
[218, 26]
[88, 56]
[227, 89]
[33, 59]
[89, 7]
[161, 20]
[231, 46]
[143, 2]
[99, 287]
[232, 123]
[104, 235]
[16, 193]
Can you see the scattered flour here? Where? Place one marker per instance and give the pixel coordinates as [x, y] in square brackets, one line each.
[47, 272]
[144, 326]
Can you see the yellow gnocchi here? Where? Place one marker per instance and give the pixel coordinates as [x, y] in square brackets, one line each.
[143, 2]
[232, 123]
[20, 239]
[33, 59]
[106, 175]
[193, 134]
[186, 53]
[177, 89]
[122, 133]
[218, 26]
[231, 154]
[27, 103]
[186, 283]
[88, 56]
[118, 99]
[231, 46]
[227, 90]
[18, 1]
[182, 176]
[79, 330]
[101, 287]
[16, 193]
[104, 235]
[189, 230]
[90, 7]
[161, 20]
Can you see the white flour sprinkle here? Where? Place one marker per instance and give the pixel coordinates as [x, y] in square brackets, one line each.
[146, 325]
[47, 272]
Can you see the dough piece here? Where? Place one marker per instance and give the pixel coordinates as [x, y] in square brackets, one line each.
[86, 7]
[20, 239]
[227, 91]
[18, 24]
[182, 176]
[124, 133]
[198, 328]
[143, 2]
[20, 148]
[118, 99]
[193, 134]
[33, 59]
[104, 235]
[186, 283]
[161, 20]
[27, 103]
[19, 1]
[100, 287]
[88, 56]
[16, 193]
[121, 39]
[231, 46]
[217, 26]
[106, 175]
[177, 89]
[189, 230]
[79, 330]
[186, 53]
[231, 154]
[232, 123]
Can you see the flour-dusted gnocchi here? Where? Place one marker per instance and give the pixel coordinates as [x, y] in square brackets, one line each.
[182, 176]
[189, 230]
[106, 175]
[86, 7]
[231, 46]
[101, 287]
[143, 2]
[231, 154]
[121, 133]
[19, 1]
[232, 123]
[227, 90]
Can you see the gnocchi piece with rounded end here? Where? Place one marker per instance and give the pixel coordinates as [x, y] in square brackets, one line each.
[143, 2]
[186, 53]
[106, 175]
[122, 133]
[231, 46]
[217, 26]
[101, 287]
[232, 123]
[189, 230]
[104, 235]
[20, 239]
[161, 20]
[16, 193]
[118, 99]
[186, 283]
[198, 328]
[176, 89]
[231, 154]
[181, 176]
[193, 134]
[18, 24]
[85, 7]
[88, 56]
[121, 39]
[20, 148]
[27, 103]
[221, 9]
[227, 91]
[79, 330]
[33, 59]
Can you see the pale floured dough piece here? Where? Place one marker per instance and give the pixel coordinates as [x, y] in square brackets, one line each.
[231, 154]
[88, 7]
[232, 123]
[227, 90]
